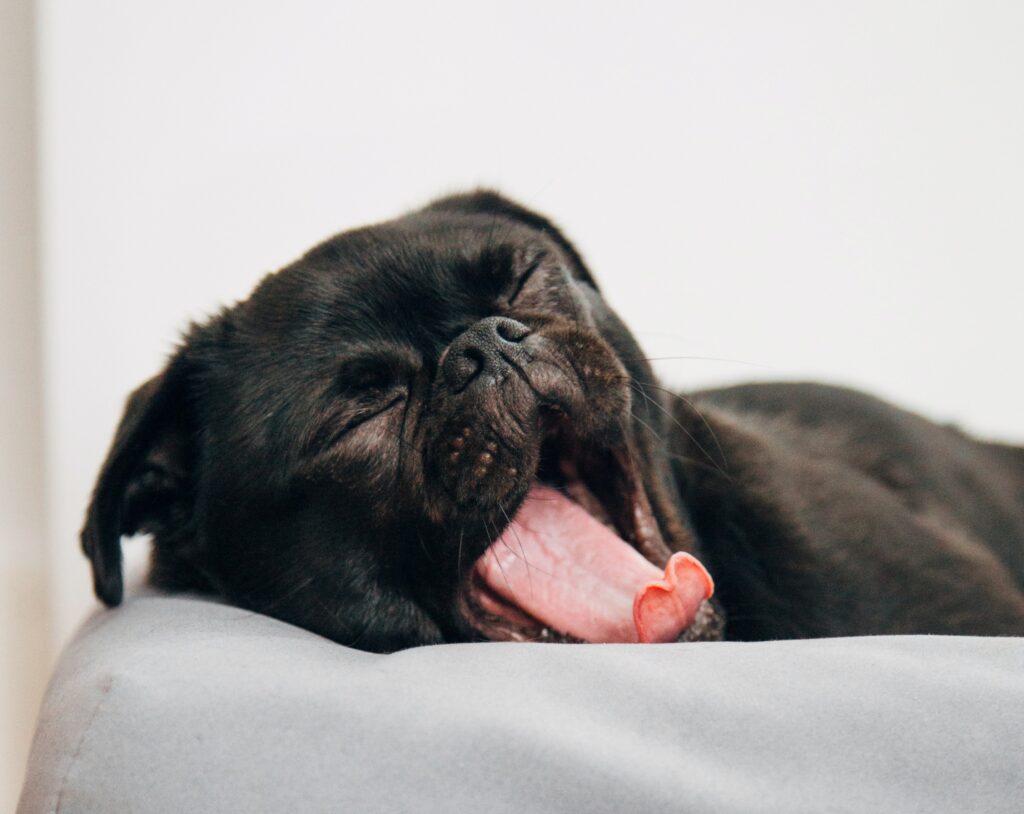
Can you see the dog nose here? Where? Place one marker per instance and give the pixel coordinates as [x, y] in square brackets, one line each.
[484, 351]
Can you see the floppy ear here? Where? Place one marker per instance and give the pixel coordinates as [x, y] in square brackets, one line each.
[488, 202]
[146, 477]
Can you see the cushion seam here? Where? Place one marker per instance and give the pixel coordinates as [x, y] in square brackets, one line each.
[106, 686]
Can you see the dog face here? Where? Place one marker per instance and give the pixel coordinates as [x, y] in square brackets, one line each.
[347, 449]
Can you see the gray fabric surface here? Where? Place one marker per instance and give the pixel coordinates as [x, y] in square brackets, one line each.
[182, 705]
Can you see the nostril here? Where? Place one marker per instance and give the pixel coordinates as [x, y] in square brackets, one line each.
[483, 348]
[466, 364]
[472, 355]
[511, 330]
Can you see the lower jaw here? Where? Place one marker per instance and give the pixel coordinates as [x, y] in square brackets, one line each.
[605, 483]
[708, 625]
[494, 619]
[568, 564]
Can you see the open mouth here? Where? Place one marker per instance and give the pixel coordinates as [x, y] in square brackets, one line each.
[583, 559]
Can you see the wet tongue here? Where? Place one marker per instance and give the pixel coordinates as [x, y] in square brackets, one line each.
[570, 572]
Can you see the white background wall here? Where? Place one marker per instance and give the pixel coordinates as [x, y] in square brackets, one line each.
[820, 190]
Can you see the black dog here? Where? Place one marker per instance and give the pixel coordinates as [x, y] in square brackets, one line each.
[434, 429]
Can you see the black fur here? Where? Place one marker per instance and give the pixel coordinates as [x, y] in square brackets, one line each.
[299, 454]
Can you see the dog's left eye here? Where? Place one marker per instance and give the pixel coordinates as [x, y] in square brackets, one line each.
[524, 278]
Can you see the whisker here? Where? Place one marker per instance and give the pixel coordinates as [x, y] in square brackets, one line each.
[700, 415]
[556, 487]
[526, 562]
[696, 359]
[626, 433]
[713, 464]
[490, 550]
[501, 568]
[702, 464]
[710, 429]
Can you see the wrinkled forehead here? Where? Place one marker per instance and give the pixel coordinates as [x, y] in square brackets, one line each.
[403, 283]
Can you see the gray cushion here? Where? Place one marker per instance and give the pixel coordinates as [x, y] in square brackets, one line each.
[182, 705]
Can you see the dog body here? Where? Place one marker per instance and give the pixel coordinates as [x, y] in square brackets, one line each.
[435, 429]
[825, 512]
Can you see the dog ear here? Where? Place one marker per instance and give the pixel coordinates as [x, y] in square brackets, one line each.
[489, 202]
[146, 475]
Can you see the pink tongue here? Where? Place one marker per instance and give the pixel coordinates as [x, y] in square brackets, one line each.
[567, 570]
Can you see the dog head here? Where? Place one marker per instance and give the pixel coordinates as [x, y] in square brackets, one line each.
[398, 438]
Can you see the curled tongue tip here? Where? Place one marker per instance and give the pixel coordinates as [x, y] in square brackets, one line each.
[664, 608]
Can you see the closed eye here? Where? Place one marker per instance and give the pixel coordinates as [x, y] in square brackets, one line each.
[351, 416]
[524, 278]
[368, 410]
[366, 387]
